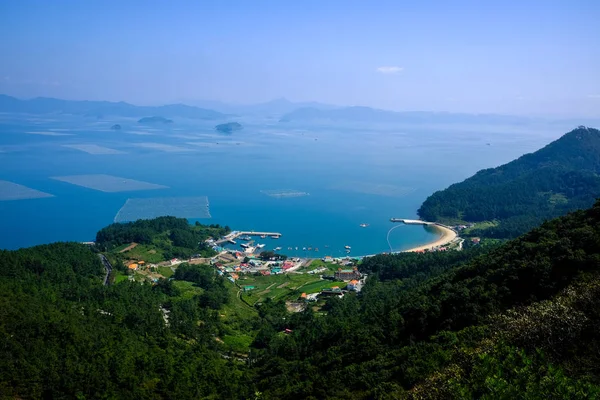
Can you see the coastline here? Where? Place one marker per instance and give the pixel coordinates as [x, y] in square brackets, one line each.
[447, 235]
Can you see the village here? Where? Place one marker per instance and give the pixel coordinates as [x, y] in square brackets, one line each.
[256, 276]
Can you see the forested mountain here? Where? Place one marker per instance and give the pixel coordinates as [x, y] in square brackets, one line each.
[517, 320]
[561, 177]
[64, 335]
[174, 237]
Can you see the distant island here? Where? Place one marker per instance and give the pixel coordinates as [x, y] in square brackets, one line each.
[509, 200]
[229, 127]
[155, 120]
[116, 127]
[100, 109]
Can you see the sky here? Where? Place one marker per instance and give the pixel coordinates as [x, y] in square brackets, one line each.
[523, 57]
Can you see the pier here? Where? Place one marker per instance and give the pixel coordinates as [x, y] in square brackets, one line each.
[411, 221]
[236, 234]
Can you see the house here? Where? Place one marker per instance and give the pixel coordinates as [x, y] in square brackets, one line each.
[133, 267]
[248, 288]
[265, 272]
[276, 271]
[353, 285]
[347, 274]
[476, 240]
[327, 259]
[235, 277]
[334, 291]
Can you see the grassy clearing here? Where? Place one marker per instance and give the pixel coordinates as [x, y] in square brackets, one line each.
[188, 290]
[120, 277]
[239, 343]
[480, 225]
[148, 253]
[167, 272]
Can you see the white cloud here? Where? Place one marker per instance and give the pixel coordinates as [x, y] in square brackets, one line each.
[389, 70]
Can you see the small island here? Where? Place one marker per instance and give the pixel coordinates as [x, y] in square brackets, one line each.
[229, 127]
[116, 127]
[155, 120]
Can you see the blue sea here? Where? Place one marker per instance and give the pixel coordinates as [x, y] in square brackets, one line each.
[353, 174]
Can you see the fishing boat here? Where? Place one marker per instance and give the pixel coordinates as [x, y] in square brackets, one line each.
[260, 246]
[316, 249]
[263, 236]
[278, 248]
[347, 251]
[245, 245]
[347, 247]
[275, 237]
[296, 248]
[246, 237]
[364, 225]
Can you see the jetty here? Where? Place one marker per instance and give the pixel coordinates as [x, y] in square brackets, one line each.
[411, 221]
[235, 234]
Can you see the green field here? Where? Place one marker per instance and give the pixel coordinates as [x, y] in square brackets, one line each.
[167, 272]
[148, 253]
[188, 289]
[120, 277]
[282, 287]
[480, 225]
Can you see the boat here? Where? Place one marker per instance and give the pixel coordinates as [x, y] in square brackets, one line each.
[296, 247]
[263, 236]
[304, 248]
[364, 225]
[347, 247]
[289, 248]
[231, 241]
[275, 237]
[245, 245]
[277, 248]
[246, 237]
[347, 251]
[260, 246]
[316, 249]
[310, 249]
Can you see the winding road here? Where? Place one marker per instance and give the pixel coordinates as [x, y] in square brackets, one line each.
[108, 267]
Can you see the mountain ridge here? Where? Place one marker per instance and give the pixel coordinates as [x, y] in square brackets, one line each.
[558, 178]
[48, 105]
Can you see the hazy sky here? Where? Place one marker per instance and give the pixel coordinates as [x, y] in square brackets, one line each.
[518, 57]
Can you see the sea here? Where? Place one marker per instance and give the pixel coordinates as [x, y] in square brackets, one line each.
[315, 183]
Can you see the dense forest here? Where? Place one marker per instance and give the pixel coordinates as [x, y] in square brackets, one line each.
[65, 335]
[520, 195]
[512, 320]
[174, 236]
[519, 321]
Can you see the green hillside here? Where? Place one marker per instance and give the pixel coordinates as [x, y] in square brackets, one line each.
[561, 177]
[517, 320]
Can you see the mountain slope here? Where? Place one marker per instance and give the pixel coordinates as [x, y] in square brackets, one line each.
[43, 105]
[561, 177]
[518, 322]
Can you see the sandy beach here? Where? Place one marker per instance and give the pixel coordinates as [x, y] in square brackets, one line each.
[447, 235]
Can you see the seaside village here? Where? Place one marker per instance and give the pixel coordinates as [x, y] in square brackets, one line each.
[254, 272]
[324, 277]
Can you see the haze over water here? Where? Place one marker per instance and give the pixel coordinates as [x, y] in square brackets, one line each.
[337, 164]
